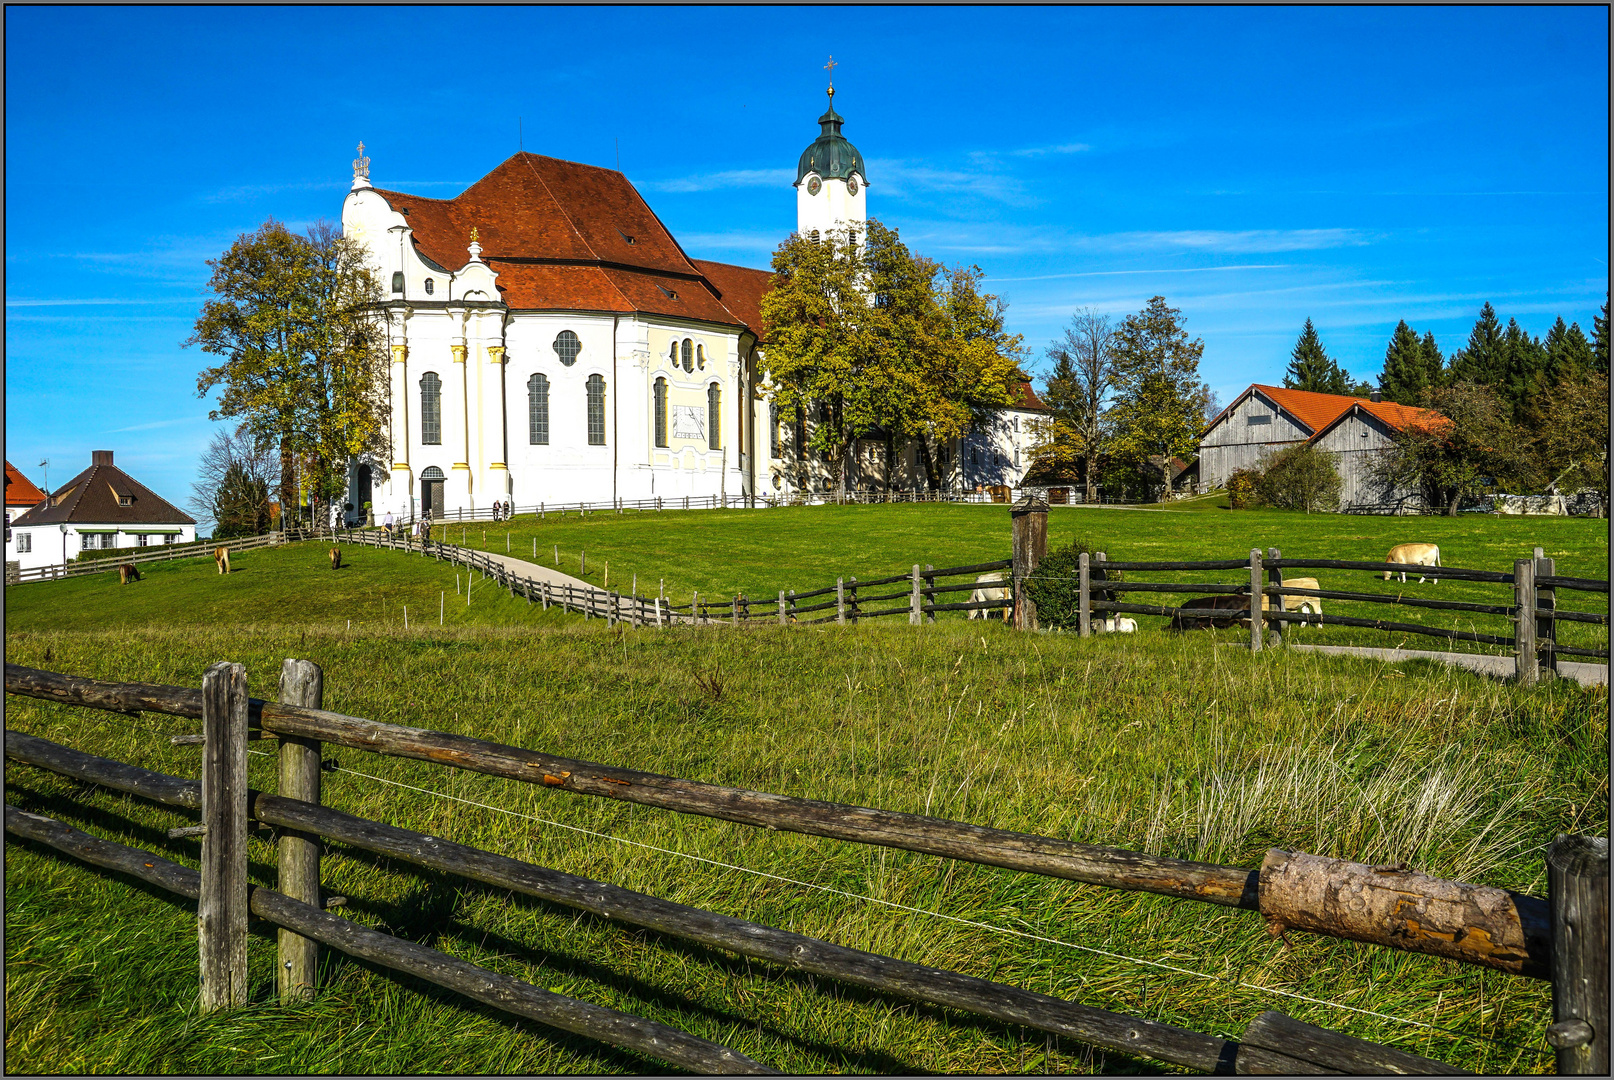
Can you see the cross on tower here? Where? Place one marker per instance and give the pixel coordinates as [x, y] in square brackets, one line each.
[830, 67]
[361, 164]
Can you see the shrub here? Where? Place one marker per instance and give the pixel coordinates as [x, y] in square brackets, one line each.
[1301, 478]
[1054, 586]
[1242, 490]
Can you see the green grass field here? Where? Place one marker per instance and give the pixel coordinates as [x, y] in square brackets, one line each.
[1185, 746]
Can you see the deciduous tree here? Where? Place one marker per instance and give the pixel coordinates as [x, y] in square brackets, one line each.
[1473, 446]
[304, 367]
[233, 480]
[1160, 401]
[1078, 393]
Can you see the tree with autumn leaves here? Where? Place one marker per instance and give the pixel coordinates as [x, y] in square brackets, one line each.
[303, 370]
[869, 338]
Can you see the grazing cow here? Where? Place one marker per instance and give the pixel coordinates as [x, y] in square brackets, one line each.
[1118, 624]
[1413, 555]
[984, 593]
[1308, 605]
[1238, 602]
[221, 559]
[128, 572]
[336, 558]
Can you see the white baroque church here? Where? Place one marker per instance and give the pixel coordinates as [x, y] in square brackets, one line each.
[553, 343]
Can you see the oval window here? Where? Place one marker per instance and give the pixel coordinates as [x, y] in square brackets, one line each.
[567, 347]
[700, 357]
[689, 355]
[430, 285]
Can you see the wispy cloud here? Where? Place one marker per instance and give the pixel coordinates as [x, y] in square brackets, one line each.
[1046, 151]
[1160, 270]
[155, 424]
[248, 192]
[905, 179]
[1230, 241]
[717, 181]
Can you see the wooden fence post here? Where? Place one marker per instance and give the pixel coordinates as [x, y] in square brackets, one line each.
[1275, 577]
[840, 602]
[1258, 628]
[1029, 518]
[1577, 882]
[1546, 606]
[915, 602]
[694, 603]
[301, 683]
[930, 583]
[1525, 663]
[222, 907]
[781, 607]
[734, 611]
[1084, 597]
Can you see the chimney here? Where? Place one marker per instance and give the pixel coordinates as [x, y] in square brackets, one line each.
[1375, 396]
[100, 457]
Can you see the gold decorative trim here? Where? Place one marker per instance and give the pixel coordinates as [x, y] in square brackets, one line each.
[462, 465]
[496, 465]
[400, 466]
[495, 354]
[400, 353]
[459, 353]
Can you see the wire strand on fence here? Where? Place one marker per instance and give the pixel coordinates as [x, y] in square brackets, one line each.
[1241, 984]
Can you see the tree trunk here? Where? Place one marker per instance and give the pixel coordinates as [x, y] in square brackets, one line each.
[928, 460]
[1451, 507]
[1088, 480]
[1165, 474]
[288, 482]
[890, 457]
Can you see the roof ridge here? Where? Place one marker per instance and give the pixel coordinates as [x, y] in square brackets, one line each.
[558, 204]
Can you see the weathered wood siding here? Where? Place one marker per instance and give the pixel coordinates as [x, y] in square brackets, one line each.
[1239, 440]
[1354, 443]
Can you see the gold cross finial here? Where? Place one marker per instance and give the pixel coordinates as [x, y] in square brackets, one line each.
[830, 67]
[361, 164]
[473, 234]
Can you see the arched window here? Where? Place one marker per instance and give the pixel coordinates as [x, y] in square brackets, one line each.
[700, 357]
[661, 412]
[567, 347]
[397, 281]
[713, 400]
[596, 411]
[431, 409]
[672, 353]
[430, 285]
[538, 410]
[813, 236]
[689, 355]
[773, 430]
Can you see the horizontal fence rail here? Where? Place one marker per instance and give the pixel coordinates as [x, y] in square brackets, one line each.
[140, 556]
[1520, 921]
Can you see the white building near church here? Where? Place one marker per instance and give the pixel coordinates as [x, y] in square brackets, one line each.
[552, 342]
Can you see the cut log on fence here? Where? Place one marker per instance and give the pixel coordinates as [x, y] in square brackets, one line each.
[1577, 880]
[1327, 1052]
[301, 683]
[793, 951]
[221, 911]
[1403, 909]
[478, 983]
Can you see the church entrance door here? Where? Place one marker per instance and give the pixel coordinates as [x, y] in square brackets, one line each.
[431, 492]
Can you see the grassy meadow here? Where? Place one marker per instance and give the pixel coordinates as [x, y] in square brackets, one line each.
[1182, 746]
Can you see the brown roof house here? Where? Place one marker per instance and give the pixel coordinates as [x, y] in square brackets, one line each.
[1266, 419]
[102, 508]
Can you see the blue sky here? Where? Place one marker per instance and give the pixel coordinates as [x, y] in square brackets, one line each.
[1255, 166]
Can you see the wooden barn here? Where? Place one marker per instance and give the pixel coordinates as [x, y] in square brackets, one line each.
[1266, 419]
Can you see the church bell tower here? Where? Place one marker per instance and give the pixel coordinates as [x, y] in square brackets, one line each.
[831, 195]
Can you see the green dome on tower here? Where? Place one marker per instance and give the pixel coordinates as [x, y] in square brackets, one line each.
[830, 155]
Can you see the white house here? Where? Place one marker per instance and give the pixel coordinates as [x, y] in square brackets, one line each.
[552, 342]
[100, 509]
[21, 496]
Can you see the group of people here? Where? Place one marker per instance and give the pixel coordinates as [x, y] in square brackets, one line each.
[422, 529]
[501, 511]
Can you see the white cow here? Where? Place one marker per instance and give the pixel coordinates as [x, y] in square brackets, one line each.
[983, 594]
[1413, 555]
[1119, 624]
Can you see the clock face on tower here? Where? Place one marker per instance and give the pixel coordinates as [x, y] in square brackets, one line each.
[813, 185]
[851, 185]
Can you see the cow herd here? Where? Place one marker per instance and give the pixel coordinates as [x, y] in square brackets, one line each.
[994, 588]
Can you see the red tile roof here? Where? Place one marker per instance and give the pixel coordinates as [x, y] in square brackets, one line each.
[1026, 398]
[562, 235]
[20, 491]
[742, 289]
[1396, 417]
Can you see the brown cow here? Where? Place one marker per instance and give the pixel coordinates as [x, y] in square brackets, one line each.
[128, 572]
[1238, 602]
[221, 559]
[336, 558]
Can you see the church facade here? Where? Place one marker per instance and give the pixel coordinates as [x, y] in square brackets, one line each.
[551, 342]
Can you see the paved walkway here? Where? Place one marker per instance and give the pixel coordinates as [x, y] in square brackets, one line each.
[1585, 674]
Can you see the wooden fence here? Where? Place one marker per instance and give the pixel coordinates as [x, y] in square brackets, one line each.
[1564, 939]
[142, 556]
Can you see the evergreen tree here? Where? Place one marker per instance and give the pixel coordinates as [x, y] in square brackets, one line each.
[1406, 371]
[1569, 354]
[1160, 401]
[1311, 368]
[1600, 340]
[1523, 371]
[1483, 359]
[1434, 363]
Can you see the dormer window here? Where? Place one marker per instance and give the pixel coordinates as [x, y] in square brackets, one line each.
[668, 293]
[429, 286]
[625, 237]
[125, 500]
[397, 282]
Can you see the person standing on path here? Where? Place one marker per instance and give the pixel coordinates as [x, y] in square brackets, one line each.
[386, 523]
